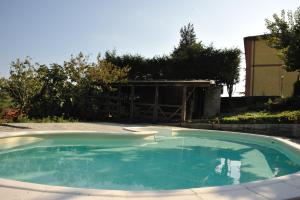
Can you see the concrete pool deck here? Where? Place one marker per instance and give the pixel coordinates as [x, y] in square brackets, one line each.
[285, 187]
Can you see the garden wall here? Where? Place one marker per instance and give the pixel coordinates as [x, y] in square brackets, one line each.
[284, 130]
[243, 104]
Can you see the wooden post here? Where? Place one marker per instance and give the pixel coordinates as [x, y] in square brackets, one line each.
[155, 108]
[183, 108]
[119, 101]
[131, 103]
[192, 104]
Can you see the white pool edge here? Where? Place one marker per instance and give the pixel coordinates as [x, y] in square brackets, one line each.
[284, 187]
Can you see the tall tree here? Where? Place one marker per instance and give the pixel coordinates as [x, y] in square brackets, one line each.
[22, 84]
[52, 98]
[188, 35]
[285, 37]
[187, 41]
[230, 68]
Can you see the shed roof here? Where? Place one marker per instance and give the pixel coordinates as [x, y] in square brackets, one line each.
[256, 37]
[199, 83]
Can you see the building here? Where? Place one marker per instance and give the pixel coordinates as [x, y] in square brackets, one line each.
[265, 75]
[165, 100]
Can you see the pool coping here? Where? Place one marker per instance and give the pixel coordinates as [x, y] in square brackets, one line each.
[284, 187]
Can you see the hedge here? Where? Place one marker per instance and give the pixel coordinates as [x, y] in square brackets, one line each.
[261, 118]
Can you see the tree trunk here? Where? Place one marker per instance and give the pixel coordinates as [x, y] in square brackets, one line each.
[230, 89]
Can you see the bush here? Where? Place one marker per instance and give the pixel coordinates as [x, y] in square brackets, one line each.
[297, 88]
[5, 103]
[262, 118]
[238, 104]
[55, 119]
[11, 114]
[282, 104]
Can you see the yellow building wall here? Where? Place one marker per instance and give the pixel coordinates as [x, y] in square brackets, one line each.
[264, 55]
[268, 76]
[266, 81]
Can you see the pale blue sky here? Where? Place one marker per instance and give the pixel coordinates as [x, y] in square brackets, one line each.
[51, 30]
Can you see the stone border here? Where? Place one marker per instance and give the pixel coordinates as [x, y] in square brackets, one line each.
[58, 132]
[284, 187]
[284, 130]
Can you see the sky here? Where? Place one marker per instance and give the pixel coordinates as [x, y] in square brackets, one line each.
[51, 31]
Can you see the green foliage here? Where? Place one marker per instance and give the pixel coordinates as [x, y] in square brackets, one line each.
[106, 73]
[190, 60]
[262, 118]
[187, 41]
[245, 104]
[22, 83]
[230, 67]
[73, 90]
[285, 37]
[49, 119]
[140, 67]
[282, 104]
[5, 100]
[297, 87]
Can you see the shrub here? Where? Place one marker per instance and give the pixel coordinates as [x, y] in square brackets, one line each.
[238, 104]
[262, 117]
[282, 104]
[11, 114]
[49, 119]
[297, 88]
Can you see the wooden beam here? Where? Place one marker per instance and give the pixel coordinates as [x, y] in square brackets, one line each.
[156, 106]
[159, 105]
[119, 101]
[183, 109]
[131, 103]
[163, 113]
[192, 104]
[175, 113]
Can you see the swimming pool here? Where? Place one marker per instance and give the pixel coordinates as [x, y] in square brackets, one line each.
[176, 159]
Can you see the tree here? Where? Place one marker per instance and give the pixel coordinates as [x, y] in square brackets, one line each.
[53, 96]
[77, 89]
[187, 36]
[231, 66]
[141, 68]
[138, 64]
[285, 37]
[2, 86]
[105, 73]
[187, 41]
[189, 60]
[23, 84]
[193, 60]
[5, 100]
[297, 87]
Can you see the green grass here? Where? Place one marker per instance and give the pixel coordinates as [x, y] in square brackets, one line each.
[261, 118]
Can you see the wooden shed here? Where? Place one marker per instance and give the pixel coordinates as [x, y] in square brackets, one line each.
[167, 100]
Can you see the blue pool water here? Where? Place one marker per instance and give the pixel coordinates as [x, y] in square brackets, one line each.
[171, 162]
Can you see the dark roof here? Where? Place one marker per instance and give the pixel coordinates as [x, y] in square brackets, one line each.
[200, 83]
[255, 37]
